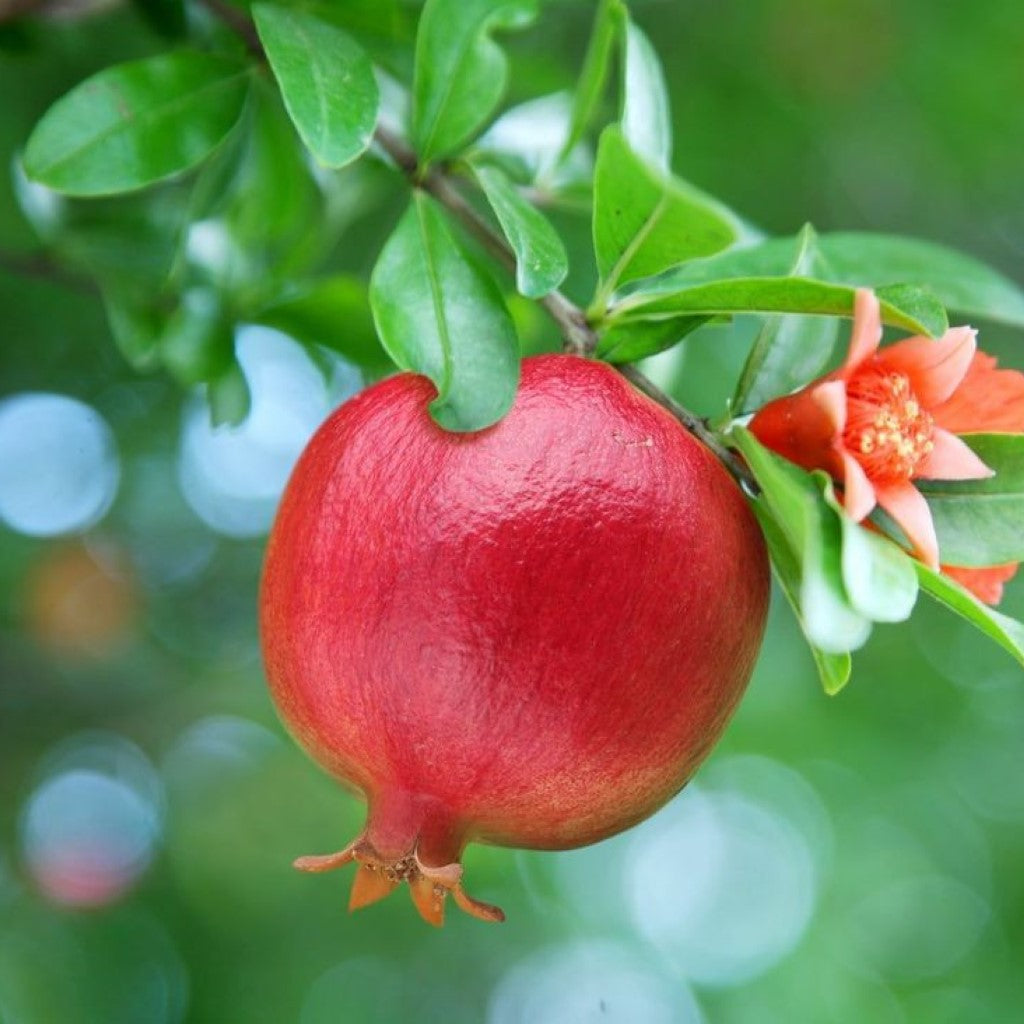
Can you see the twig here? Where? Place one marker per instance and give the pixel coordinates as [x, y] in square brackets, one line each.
[41, 266]
[694, 424]
[11, 10]
[578, 334]
[237, 21]
[580, 338]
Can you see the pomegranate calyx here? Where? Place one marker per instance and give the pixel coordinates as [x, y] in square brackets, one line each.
[377, 876]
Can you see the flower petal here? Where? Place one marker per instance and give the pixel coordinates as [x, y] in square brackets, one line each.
[988, 399]
[985, 584]
[805, 427]
[858, 491]
[830, 398]
[867, 330]
[905, 503]
[951, 459]
[934, 368]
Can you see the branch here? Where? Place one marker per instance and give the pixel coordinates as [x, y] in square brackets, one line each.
[580, 338]
[694, 424]
[578, 334]
[43, 267]
[237, 21]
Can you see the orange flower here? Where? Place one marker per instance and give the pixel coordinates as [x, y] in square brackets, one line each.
[986, 584]
[989, 399]
[874, 424]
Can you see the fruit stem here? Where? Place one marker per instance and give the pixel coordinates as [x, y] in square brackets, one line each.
[408, 838]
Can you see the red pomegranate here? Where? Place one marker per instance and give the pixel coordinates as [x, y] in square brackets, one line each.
[528, 636]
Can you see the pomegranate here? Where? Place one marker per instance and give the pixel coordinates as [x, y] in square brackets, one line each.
[528, 636]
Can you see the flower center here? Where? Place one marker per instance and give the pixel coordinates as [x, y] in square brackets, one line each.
[887, 431]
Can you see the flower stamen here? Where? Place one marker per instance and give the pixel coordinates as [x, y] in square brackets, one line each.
[886, 428]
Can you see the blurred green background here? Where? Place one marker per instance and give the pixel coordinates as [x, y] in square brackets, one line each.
[855, 859]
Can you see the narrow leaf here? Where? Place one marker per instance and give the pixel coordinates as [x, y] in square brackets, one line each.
[134, 124]
[646, 118]
[326, 80]
[645, 221]
[671, 295]
[981, 522]
[789, 350]
[812, 529]
[229, 397]
[961, 282]
[461, 72]
[595, 72]
[438, 314]
[541, 260]
[136, 322]
[1007, 632]
[626, 343]
[198, 343]
[833, 669]
[878, 577]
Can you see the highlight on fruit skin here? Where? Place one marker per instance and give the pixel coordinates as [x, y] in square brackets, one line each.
[529, 636]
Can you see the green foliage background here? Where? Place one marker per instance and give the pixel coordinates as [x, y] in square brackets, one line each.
[905, 793]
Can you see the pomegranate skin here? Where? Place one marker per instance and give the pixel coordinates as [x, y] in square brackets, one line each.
[528, 636]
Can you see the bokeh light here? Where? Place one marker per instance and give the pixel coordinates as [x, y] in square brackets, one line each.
[590, 982]
[359, 989]
[118, 968]
[59, 467]
[233, 476]
[723, 883]
[216, 751]
[91, 826]
[82, 600]
[838, 860]
[915, 927]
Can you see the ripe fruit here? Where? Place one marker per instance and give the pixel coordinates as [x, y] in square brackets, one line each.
[529, 636]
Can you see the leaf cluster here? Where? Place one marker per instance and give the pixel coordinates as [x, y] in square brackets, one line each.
[242, 155]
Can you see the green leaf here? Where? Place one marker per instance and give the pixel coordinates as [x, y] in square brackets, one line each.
[833, 669]
[326, 80]
[626, 343]
[333, 313]
[438, 314]
[789, 350]
[595, 72]
[461, 72]
[198, 343]
[981, 522]
[671, 295]
[541, 260]
[878, 577]
[167, 17]
[137, 323]
[134, 124]
[385, 28]
[1007, 632]
[961, 282]
[958, 281]
[646, 118]
[273, 205]
[645, 221]
[812, 529]
[229, 397]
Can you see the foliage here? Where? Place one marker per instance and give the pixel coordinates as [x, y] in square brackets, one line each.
[669, 259]
[324, 169]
